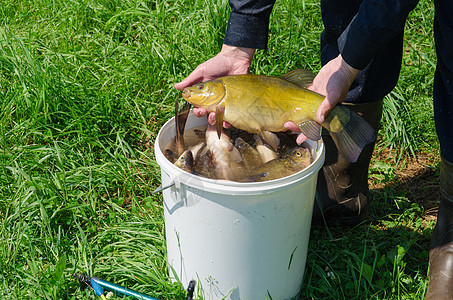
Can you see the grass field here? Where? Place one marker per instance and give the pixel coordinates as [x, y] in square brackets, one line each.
[86, 85]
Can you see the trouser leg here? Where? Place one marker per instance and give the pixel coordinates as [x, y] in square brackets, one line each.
[441, 252]
[342, 189]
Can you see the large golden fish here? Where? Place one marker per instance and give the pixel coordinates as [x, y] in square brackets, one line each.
[262, 104]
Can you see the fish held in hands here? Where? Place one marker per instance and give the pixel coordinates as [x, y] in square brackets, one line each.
[262, 104]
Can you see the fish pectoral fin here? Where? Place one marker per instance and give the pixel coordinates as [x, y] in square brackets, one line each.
[270, 138]
[219, 113]
[311, 129]
[300, 77]
[235, 155]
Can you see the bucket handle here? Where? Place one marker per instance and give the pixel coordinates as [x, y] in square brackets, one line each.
[176, 182]
[161, 188]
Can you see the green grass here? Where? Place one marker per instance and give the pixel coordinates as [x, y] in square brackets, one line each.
[85, 87]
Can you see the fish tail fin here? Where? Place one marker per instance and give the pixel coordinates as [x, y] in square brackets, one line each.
[353, 137]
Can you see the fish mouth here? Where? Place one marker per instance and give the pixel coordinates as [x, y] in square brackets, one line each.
[186, 94]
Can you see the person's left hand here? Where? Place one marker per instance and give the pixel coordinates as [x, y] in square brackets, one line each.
[333, 81]
[229, 61]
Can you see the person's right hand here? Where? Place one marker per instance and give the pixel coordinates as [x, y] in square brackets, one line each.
[333, 81]
[229, 61]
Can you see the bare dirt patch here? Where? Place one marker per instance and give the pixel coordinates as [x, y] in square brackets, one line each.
[417, 177]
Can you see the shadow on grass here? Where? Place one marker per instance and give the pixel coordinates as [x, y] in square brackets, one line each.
[386, 256]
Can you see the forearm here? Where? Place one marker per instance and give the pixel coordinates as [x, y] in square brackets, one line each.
[377, 22]
[248, 25]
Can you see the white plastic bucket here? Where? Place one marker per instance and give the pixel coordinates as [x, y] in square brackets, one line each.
[237, 240]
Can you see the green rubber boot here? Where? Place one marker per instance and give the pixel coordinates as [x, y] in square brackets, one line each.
[441, 254]
[342, 191]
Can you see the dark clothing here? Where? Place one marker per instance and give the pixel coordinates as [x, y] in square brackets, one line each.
[443, 79]
[368, 34]
[375, 25]
[248, 25]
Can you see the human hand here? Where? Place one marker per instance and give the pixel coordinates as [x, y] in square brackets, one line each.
[333, 81]
[229, 61]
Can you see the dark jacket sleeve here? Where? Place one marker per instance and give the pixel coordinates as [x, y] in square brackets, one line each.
[375, 24]
[248, 25]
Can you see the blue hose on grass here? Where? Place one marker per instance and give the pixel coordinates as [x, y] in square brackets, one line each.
[98, 286]
[119, 290]
[97, 289]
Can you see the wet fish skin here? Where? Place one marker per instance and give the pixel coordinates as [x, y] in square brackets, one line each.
[204, 164]
[185, 161]
[294, 161]
[227, 158]
[250, 156]
[262, 104]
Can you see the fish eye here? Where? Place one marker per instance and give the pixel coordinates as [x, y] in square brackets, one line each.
[200, 86]
[298, 153]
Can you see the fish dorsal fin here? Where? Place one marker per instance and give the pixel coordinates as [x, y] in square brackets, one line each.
[311, 129]
[300, 77]
[219, 113]
[270, 138]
